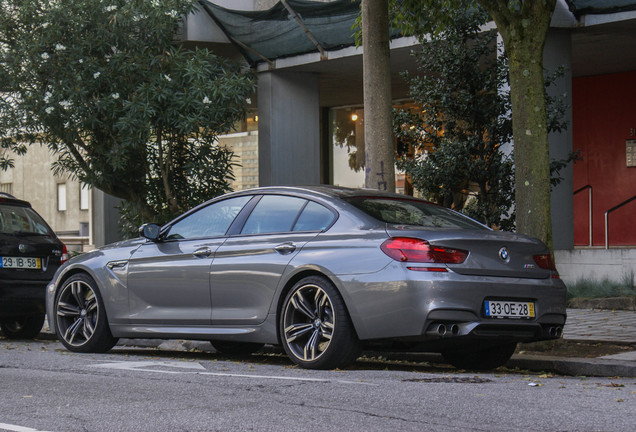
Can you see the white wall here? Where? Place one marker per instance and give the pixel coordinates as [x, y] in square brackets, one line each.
[595, 264]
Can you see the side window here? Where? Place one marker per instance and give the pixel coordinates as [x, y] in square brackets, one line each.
[314, 218]
[211, 221]
[273, 213]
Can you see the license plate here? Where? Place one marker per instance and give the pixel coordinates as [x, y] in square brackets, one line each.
[509, 309]
[20, 263]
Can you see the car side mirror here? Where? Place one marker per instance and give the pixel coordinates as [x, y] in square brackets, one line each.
[150, 231]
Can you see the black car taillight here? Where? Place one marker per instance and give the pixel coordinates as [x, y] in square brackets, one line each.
[546, 262]
[406, 249]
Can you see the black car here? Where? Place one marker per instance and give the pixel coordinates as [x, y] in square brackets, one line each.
[30, 253]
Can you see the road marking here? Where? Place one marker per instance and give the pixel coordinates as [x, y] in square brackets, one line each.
[16, 428]
[138, 365]
[143, 366]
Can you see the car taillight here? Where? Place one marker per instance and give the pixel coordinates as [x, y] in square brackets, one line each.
[408, 249]
[64, 256]
[546, 262]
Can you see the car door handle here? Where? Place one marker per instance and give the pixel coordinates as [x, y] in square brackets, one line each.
[285, 248]
[202, 253]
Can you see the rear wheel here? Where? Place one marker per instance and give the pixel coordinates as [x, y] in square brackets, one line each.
[26, 327]
[484, 359]
[80, 317]
[233, 348]
[315, 328]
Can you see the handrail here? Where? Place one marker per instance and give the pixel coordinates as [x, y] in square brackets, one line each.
[589, 194]
[607, 218]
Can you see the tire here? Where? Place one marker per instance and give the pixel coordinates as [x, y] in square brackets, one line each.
[315, 328]
[80, 318]
[486, 359]
[26, 327]
[232, 348]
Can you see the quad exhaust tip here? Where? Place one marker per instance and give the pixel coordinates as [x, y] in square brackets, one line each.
[443, 330]
[556, 332]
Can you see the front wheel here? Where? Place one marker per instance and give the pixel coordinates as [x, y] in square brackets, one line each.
[26, 327]
[484, 359]
[315, 328]
[80, 318]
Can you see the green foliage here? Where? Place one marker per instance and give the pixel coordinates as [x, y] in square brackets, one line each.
[523, 26]
[461, 121]
[595, 288]
[107, 86]
[461, 89]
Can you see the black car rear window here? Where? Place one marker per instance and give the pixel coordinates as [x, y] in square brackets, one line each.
[21, 220]
[406, 211]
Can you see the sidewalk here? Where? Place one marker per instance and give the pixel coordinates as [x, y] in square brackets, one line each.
[590, 325]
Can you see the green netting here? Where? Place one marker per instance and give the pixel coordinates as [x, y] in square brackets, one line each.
[274, 33]
[583, 7]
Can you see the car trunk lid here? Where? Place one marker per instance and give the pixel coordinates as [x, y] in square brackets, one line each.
[490, 253]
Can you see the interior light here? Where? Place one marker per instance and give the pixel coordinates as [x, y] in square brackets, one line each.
[354, 117]
[255, 118]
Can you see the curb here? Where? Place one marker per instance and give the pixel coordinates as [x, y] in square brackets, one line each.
[597, 367]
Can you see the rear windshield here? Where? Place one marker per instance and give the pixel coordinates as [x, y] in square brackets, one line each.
[21, 220]
[407, 211]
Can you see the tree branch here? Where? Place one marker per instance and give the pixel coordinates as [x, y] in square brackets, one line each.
[499, 11]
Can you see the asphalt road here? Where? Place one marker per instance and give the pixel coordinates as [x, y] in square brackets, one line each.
[43, 387]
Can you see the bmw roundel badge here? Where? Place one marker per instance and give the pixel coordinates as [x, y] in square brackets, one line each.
[503, 254]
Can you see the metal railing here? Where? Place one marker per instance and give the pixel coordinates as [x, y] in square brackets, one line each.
[607, 218]
[589, 194]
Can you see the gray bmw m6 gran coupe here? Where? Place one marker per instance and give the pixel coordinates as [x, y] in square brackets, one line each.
[321, 271]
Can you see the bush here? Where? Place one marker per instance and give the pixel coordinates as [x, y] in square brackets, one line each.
[603, 288]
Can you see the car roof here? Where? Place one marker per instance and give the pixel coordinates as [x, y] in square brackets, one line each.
[326, 191]
[6, 198]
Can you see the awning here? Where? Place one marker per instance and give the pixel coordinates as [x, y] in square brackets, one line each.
[289, 28]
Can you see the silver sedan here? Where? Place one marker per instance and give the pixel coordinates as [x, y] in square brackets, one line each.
[322, 271]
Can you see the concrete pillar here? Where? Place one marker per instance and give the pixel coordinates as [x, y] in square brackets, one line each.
[105, 218]
[558, 52]
[288, 128]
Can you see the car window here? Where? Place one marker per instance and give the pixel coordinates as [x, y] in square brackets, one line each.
[21, 220]
[273, 213]
[413, 212]
[210, 221]
[314, 217]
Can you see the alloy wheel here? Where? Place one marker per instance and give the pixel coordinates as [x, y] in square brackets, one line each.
[77, 312]
[309, 322]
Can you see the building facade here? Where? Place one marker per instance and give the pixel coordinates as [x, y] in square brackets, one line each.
[310, 87]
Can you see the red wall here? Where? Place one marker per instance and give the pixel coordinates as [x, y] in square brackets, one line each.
[604, 116]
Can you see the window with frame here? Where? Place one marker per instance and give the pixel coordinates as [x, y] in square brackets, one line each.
[273, 214]
[84, 197]
[315, 217]
[61, 197]
[211, 221]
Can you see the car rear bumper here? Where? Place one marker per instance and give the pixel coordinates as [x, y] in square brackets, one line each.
[399, 303]
[20, 298]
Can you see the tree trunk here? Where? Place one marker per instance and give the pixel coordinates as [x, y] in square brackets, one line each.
[523, 27]
[531, 149]
[378, 131]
